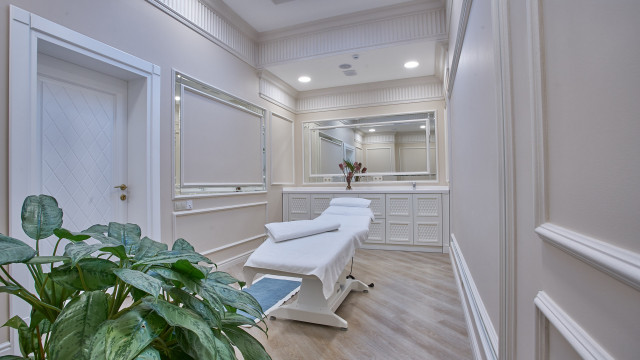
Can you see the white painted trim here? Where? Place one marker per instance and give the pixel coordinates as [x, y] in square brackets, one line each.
[506, 168]
[221, 208]
[550, 312]
[293, 155]
[5, 348]
[276, 91]
[462, 30]
[479, 320]
[617, 262]
[228, 263]
[475, 348]
[227, 246]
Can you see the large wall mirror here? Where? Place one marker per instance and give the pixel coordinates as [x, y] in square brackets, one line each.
[219, 141]
[392, 148]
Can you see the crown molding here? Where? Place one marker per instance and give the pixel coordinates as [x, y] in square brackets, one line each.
[276, 91]
[417, 25]
[222, 9]
[363, 95]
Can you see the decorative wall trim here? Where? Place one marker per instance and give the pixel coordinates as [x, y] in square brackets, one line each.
[208, 23]
[292, 159]
[478, 320]
[413, 26]
[379, 139]
[238, 259]
[227, 246]
[547, 311]
[381, 93]
[617, 262]
[5, 348]
[462, 30]
[276, 91]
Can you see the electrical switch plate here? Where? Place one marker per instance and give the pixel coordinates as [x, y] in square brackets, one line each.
[183, 205]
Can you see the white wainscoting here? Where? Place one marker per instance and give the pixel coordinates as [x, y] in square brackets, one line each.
[5, 348]
[547, 311]
[479, 325]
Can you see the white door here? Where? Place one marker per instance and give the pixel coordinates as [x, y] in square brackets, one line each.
[82, 116]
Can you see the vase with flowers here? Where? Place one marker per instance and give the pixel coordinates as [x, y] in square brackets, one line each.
[349, 169]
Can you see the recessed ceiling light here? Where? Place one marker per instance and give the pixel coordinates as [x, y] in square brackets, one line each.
[411, 64]
[177, 98]
[372, 130]
[304, 79]
[423, 126]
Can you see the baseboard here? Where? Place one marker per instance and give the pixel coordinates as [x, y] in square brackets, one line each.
[238, 259]
[5, 348]
[482, 334]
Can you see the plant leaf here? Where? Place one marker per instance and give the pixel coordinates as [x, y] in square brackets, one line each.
[170, 274]
[172, 256]
[126, 336]
[97, 274]
[234, 320]
[149, 248]
[97, 228]
[40, 216]
[186, 268]
[182, 245]
[197, 337]
[148, 354]
[14, 251]
[222, 278]
[13, 357]
[75, 327]
[140, 280]
[66, 234]
[238, 299]
[10, 289]
[209, 315]
[15, 322]
[250, 348]
[80, 250]
[127, 234]
[48, 259]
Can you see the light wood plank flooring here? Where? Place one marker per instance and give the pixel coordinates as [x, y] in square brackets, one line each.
[413, 312]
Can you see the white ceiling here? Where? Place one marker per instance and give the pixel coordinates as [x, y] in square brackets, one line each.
[373, 65]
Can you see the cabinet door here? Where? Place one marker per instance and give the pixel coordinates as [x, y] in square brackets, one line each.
[319, 203]
[377, 204]
[299, 207]
[427, 220]
[399, 219]
[376, 232]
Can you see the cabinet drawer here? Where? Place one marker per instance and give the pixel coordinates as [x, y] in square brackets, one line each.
[377, 204]
[319, 203]
[399, 232]
[376, 232]
[427, 233]
[427, 206]
[399, 205]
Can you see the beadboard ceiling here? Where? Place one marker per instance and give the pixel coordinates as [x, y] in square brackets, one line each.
[277, 18]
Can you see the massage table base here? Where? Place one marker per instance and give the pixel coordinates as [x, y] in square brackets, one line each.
[311, 305]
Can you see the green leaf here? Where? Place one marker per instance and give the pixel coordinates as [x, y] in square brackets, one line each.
[97, 228]
[118, 251]
[102, 238]
[148, 354]
[75, 327]
[171, 257]
[188, 269]
[127, 234]
[66, 234]
[40, 216]
[13, 357]
[11, 289]
[80, 250]
[97, 274]
[14, 251]
[209, 315]
[222, 278]
[149, 248]
[170, 274]
[183, 245]
[250, 348]
[15, 322]
[126, 336]
[234, 320]
[233, 297]
[140, 280]
[198, 336]
[49, 259]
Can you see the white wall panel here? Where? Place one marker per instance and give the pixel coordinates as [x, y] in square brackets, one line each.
[281, 151]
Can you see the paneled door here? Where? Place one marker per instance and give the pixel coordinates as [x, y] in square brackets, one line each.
[82, 126]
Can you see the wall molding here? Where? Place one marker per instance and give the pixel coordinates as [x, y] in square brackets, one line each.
[233, 244]
[276, 91]
[397, 29]
[372, 94]
[478, 321]
[547, 311]
[462, 30]
[617, 262]
[5, 348]
[292, 159]
[212, 25]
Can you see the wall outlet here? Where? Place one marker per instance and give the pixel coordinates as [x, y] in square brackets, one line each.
[326, 179]
[377, 178]
[183, 205]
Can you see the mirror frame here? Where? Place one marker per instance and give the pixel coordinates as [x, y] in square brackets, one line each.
[339, 178]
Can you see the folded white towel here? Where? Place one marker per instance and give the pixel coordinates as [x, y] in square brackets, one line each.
[349, 211]
[296, 229]
[350, 201]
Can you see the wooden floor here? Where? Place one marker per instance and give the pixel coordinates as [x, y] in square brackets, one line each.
[413, 312]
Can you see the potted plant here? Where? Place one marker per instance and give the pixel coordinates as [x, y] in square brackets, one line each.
[349, 169]
[122, 296]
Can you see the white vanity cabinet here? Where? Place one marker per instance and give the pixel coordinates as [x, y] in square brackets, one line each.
[408, 220]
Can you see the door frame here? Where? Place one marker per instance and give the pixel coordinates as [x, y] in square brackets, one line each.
[31, 34]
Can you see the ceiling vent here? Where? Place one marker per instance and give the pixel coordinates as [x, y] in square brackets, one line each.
[350, 72]
[278, 2]
[345, 66]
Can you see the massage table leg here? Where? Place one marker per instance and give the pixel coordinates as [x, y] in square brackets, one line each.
[312, 307]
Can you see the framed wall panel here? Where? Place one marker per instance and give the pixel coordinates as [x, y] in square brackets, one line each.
[282, 155]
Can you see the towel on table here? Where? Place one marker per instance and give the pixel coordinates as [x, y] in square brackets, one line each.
[296, 229]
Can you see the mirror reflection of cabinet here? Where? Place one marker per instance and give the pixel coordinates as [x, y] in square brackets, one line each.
[392, 147]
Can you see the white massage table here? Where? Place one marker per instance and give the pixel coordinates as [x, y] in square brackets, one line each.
[320, 261]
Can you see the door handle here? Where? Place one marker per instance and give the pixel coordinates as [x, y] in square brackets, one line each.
[122, 187]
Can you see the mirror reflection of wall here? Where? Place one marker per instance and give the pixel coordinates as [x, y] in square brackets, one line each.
[393, 148]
